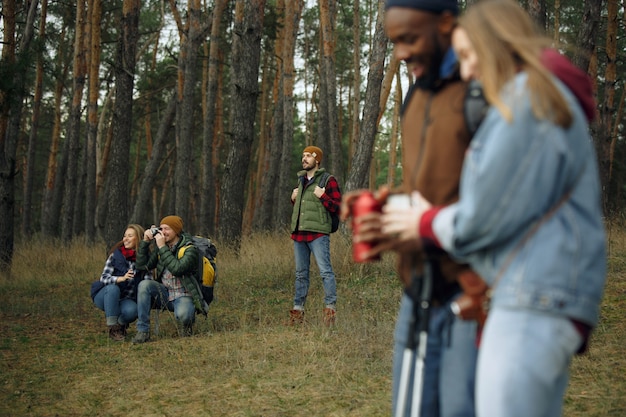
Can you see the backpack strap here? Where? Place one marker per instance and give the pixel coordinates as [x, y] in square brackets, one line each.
[182, 249]
[324, 179]
[475, 107]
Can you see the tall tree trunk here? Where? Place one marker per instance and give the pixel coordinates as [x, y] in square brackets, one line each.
[8, 144]
[32, 136]
[328, 85]
[51, 206]
[73, 134]
[356, 84]
[141, 213]
[208, 195]
[358, 178]
[103, 150]
[607, 107]
[557, 21]
[261, 203]
[246, 51]
[395, 133]
[188, 59]
[269, 199]
[80, 203]
[11, 103]
[118, 169]
[293, 12]
[272, 179]
[390, 73]
[95, 17]
[587, 33]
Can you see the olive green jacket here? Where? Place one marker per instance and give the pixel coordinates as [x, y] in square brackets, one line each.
[309, 214]
[185, 268]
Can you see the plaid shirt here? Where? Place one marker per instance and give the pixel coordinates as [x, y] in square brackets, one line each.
[107, 277]
[331, 199]
[174, 286]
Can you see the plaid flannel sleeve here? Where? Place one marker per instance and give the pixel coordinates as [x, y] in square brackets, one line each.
[331, 199]
[107, 274]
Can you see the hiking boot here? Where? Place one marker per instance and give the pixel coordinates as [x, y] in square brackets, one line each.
[117, 332]
[141, 337]
[296, 317]
[329, 316]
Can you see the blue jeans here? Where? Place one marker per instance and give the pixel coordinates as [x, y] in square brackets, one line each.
[115, 310]
[152, 294]
[451, 352]
[523, 365]
[320, 248]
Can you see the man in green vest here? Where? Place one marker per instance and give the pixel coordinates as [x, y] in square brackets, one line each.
[311, 224]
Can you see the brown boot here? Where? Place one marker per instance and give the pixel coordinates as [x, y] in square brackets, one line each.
[296, 317]
[117, 332]
[329, 316]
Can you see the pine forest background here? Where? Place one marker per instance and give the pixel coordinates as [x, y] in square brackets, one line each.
[123, 111]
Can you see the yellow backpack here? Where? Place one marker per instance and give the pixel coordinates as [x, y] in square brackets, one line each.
[207, 267]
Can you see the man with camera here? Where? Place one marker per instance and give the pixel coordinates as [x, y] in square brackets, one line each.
[175, 287]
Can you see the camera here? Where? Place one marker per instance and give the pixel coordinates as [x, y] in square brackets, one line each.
[155, 230]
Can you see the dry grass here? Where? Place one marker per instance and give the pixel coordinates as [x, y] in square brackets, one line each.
[597, 385]
[56, 359]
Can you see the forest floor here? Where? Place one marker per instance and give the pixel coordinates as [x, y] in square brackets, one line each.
[57, 360]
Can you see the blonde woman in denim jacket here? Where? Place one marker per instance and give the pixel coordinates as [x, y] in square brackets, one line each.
[529, 218]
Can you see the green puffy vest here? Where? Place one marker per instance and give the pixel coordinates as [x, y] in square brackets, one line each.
[309, 214]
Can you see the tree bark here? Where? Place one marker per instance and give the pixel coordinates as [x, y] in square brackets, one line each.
[93, 91]
[208, 195]
[395, 133]
[32, 136]
[293, 12]
[607, 108]
[118, 168]
[51, 206]
[356, 83]
[258, 206]
[269, 198]
[141, 213]
[328, 86]
[587, 33]
[188, 60]
[358, 178]
[246, 50]
[73, 133]
[11, 104]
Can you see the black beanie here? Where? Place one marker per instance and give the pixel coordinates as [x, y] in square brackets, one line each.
[435, 6]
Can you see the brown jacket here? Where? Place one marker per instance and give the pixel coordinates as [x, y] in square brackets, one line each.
[434, 141]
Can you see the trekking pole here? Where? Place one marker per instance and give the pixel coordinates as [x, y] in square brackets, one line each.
[414, 354]
[424, 317]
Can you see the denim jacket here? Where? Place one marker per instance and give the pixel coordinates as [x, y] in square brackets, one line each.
[514, 175]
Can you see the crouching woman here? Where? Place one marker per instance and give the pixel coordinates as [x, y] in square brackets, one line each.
[116, 291]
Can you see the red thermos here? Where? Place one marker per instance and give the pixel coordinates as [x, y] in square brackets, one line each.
[364, 204]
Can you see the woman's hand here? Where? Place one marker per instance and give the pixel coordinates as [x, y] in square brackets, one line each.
[400, 222]
[127, 276]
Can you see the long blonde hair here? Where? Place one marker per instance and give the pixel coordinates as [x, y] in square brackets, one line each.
[506, 41]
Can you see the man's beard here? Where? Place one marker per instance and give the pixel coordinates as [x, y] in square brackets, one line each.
[431, 78]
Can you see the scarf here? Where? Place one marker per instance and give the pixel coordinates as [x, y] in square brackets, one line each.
[129, 254]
